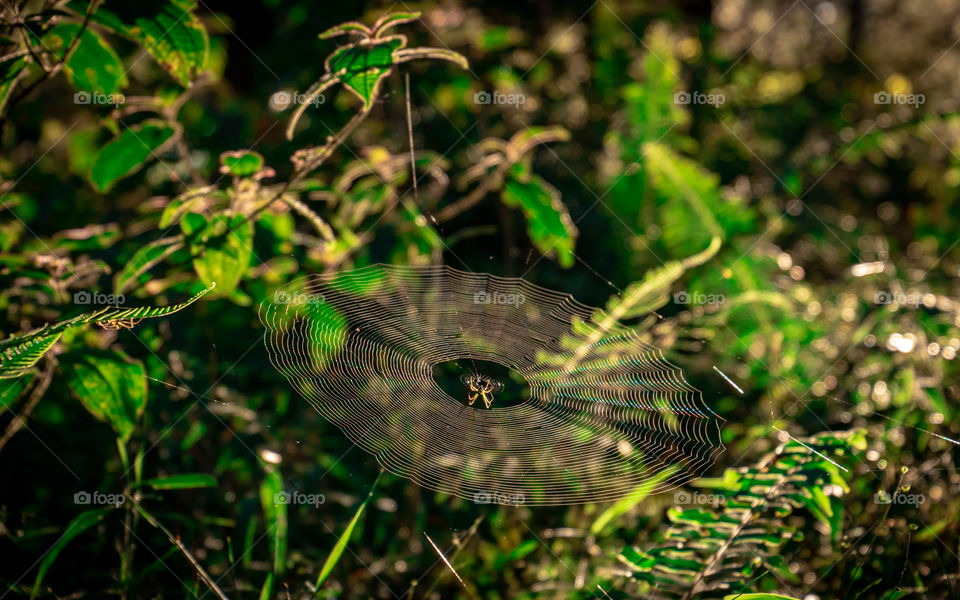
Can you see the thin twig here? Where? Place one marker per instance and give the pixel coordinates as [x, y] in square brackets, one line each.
[467, 202]
[459, 546]
[413, 164]
[56, 69]
[20, 421]
[175, 540]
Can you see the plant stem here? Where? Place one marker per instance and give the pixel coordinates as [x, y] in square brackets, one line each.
[20, 421]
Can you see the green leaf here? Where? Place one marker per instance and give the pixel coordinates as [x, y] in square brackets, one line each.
[628, 503]
[392, 20]
[93, 66]
[548, 223]
[143, 260]
[361, 67]
[517, 553]
[653, 291]
[241, 163]
[19, 353]
[350, 27]
[112, 386]
[692, 209]
[167, 29]
[10, 390]
[78, 525]
[753, 596]
[10, 73]
[275, 512]
[341, 544]
[182, 481]
[267, 590]
[185, 203]
[127, 152]
[221, 248]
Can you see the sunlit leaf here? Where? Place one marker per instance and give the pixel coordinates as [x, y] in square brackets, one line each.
[344, 538]
[241, 163]
[93, 66]
[78, 525]
[183, 481]
[11, 389]
[19, 353]
[629, 502]
[221, 248]
[127, 152]
[548, 223]
[145, 258]
[167, 29]
[362, 67]
[112, 386]
[10, 73]
[275, 511]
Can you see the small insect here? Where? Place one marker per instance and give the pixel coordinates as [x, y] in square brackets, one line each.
[116, 324]
[481, 386]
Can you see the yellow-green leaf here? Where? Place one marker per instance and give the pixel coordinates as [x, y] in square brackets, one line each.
[548, 223]
[183, 481]
[112, 386]
[221, 248]
[93, 66]
[127, 152]
[167, 29]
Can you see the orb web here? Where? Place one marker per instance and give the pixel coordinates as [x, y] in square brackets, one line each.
[604, 415]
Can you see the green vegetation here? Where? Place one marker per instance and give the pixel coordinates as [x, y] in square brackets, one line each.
[765, 189]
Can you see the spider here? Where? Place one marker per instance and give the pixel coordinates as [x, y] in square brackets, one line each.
[481, 386]
[116, 324]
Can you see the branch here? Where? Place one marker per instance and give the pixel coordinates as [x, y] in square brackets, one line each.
[175, 540]
[20, 421]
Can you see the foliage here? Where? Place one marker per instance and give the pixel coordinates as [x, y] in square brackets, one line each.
[796, 240]
[710, 550]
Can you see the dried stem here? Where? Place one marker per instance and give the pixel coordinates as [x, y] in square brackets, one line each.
[20, 421]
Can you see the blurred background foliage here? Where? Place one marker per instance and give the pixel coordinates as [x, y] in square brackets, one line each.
[793, 163]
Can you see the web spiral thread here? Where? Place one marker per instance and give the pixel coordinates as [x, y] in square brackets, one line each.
[607, 416]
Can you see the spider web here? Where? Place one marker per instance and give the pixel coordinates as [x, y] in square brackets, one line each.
[607, 416]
